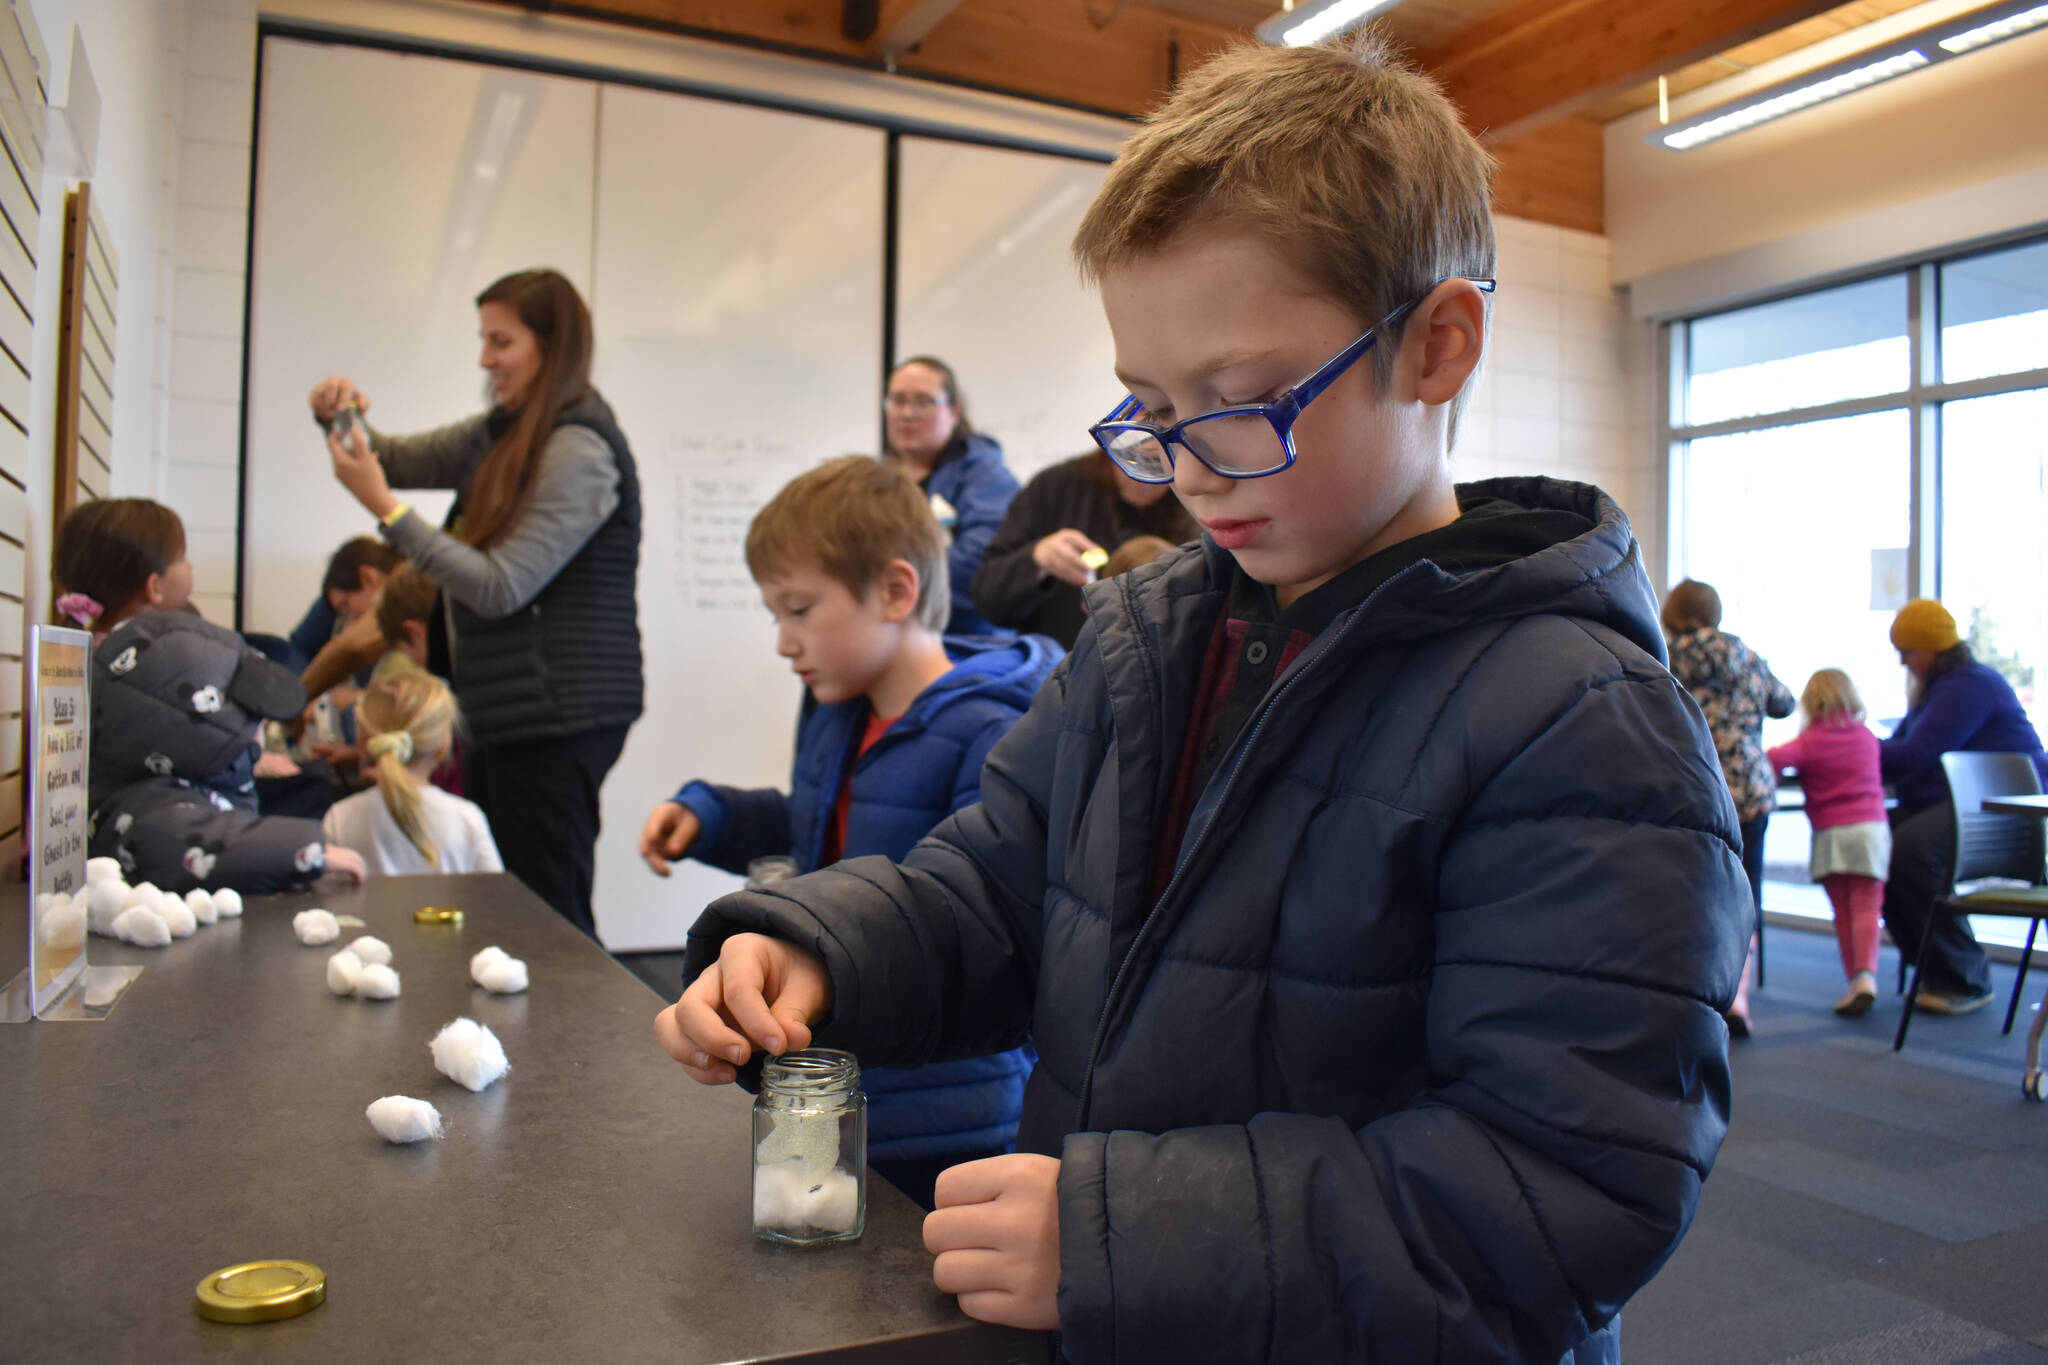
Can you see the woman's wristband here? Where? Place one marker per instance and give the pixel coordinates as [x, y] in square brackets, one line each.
[391, 518]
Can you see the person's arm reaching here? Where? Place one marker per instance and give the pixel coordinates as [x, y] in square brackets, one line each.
[1009, 587]
[575, 490]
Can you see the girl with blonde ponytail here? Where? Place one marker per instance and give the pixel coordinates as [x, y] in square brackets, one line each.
[407, 825]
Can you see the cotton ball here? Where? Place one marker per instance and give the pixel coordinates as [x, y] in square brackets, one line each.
[143, 927]
[777, 1188]
[201, 905]
[834, 1204]
[63, 922]
[143, 893]
[403, 1119]
[504, 978]
[315, 927]
[786, 1198]
[378, 982]
[371, 949]
[342, 970]
[469, 1054]
[484, 959]
[104, 902]
[99, 870]
[228, 902]
[178, 917]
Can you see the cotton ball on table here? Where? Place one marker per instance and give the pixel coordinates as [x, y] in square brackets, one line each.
[507, 976]
[342, 971]
[401, 1118]
[144, 893]
[371, 949]
[228, 902]
[315, 927]
[63, 921]
[177, 916]
[498, 971]
[143, 927]
[99, 870]
[201, 905]
[377, 981]
[469, 1054]
[104, 902]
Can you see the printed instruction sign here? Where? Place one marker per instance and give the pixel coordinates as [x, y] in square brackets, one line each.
[59, 741]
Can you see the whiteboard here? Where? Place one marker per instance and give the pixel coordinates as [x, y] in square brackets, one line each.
[390, 189]
[985, 281]
[739, 314]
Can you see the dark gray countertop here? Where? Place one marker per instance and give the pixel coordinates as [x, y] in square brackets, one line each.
[593, 1204]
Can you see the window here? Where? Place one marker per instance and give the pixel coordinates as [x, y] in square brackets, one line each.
[1994, 313]
[1799, 353]
[1812, 530]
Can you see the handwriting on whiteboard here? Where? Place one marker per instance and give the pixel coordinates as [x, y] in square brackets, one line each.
[721, 481]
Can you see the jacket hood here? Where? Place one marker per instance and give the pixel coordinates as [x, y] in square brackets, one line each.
[1595, 575]
[990, 668]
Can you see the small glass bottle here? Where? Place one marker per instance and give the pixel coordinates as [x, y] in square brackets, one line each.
[810, 1149]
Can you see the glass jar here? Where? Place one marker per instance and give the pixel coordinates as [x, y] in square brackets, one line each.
[810, 1149]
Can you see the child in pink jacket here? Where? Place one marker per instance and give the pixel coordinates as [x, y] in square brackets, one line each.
[1837, 758]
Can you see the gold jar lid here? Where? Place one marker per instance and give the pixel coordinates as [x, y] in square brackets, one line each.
[261, 1291]
[437, 914]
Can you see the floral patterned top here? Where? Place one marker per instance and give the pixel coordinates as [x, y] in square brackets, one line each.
[1737, 690]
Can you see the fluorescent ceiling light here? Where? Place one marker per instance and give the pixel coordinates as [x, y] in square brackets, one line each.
[1997, 29]
[1938, 43]
[1316, 20]
[1791, 101]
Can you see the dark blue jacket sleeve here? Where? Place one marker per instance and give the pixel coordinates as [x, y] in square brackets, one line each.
[312, 632]
[737, 825]
[1947, 720]
[984, 499]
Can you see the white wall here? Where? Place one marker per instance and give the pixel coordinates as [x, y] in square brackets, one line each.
[1566, 388]
[1933, 159]
[131, 46]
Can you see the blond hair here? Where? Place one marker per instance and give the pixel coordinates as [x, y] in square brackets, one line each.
[1829, 692]
[849, 519]
[1342, 156]
[409, 716]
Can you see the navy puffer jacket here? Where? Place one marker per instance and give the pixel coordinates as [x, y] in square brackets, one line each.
[1420, 1055]
[924, 767]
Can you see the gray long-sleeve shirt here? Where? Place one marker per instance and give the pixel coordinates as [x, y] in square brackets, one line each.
[575, 490]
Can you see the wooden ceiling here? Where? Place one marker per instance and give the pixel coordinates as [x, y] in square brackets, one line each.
[1536, 79]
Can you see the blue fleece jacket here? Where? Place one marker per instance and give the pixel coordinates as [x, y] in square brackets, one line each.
[1971, 708]
[974, 481]
[924, 767]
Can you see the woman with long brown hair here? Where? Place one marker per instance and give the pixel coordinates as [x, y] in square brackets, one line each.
[537, 566]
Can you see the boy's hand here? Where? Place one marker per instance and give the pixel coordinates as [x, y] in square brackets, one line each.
[1060, 554]
[996, 1233]
[345, 863]
[761, 992]
[668, 834]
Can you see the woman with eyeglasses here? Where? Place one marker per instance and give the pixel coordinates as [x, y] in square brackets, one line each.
[537, 568]
[961, 470]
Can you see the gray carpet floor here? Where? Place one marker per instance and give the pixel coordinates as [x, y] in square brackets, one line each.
[1867, 1208]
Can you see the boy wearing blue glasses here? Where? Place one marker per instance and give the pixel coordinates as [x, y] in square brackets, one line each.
[1369, 885]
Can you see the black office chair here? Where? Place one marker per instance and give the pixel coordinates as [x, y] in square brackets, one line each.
[1990, 845]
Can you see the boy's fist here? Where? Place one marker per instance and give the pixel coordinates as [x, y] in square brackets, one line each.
[667, 835]
[996, 1233]
[762, 992]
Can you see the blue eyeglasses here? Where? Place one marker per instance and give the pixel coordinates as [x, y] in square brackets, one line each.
[1245, 441]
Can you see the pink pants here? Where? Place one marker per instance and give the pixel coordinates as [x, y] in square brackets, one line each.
[1856, 901]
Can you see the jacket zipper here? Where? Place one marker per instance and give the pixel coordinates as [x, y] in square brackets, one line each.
[1173, 884]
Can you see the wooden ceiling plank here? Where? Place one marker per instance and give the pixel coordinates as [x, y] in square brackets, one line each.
[906, 23]
[1541, 60]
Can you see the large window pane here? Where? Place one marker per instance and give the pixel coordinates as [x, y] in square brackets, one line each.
[1994, 313]
[1792, 525]
[1797, 353]
[1994, 517]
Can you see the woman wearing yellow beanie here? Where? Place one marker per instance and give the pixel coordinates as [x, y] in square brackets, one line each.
[1954, 703]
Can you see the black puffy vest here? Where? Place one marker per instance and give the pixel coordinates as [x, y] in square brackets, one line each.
[569, 660]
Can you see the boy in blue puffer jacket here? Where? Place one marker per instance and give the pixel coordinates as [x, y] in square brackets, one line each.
[1367, 884]
[896, 726]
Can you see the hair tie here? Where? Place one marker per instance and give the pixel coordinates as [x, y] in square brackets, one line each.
[397, 742]
[80, 608]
